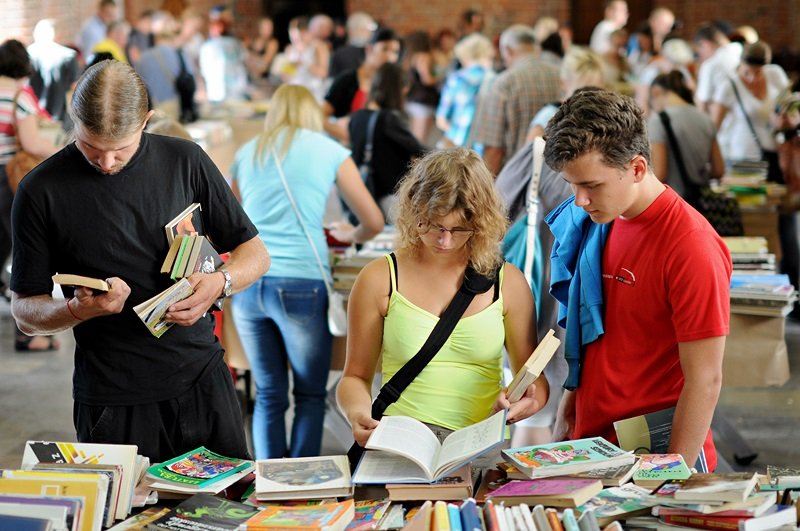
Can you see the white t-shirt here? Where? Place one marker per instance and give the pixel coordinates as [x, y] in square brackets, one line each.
[712, 73]
[600, 41]
[742, 145]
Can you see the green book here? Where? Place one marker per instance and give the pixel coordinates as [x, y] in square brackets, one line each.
[179, 258]
[197, 469]
[655, 469]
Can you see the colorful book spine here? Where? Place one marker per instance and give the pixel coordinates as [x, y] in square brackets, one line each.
[441, 517]
[569, 521]
[470, 516]
[454, 517]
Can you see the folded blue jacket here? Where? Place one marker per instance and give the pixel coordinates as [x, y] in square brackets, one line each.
[576, 280]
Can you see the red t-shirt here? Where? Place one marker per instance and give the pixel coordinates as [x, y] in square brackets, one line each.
[666, 280]
[359, 100]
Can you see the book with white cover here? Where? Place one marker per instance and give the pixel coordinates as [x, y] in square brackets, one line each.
[301, 478]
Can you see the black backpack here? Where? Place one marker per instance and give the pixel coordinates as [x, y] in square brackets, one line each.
[185, 86]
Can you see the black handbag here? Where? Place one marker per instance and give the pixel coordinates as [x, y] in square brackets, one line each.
[721, 211]
[473, 284]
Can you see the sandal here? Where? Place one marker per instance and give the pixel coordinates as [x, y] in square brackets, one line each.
[28, 344]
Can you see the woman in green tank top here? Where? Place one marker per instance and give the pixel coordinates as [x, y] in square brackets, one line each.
[449, 216]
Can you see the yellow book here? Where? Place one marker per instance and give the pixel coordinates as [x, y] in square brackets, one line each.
[441, 518]
[92, 488]
[66, 279]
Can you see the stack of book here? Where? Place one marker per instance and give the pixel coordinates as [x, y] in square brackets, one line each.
[750, 253]
[70, 486]
[748, 181]
[762, 294]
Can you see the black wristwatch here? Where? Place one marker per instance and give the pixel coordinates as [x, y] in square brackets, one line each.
[228, 287]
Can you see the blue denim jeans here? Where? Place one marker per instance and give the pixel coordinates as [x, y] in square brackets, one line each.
[283, 323]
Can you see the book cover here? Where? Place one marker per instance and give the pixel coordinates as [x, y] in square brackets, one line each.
[618, 502]
[66, 279]
[421, 519]
[470, 516]
[204, 512]
[73, 506]
[456, 485]
[713, 487]
[610, 477]
[533, 367]
[646, 434]
[190, 221]
[152, 311]
[655, 469]
[56, 515]
[24, 523]
[89, 453]
[327, 517]
[368, 514]
[198, 468]
[755, 505]
[561, 492]
[303, 478]
[567, 457]
[409, 452]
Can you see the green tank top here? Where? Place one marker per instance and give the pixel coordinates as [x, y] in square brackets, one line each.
[459, 386]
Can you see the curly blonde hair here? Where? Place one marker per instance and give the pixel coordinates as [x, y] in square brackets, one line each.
[453, 180]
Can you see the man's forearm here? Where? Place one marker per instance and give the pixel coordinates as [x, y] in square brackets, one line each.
[247, 263]
[693, 419]
[41, 314]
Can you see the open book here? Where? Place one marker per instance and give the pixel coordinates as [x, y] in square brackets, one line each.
[152, 311]
[406, 451]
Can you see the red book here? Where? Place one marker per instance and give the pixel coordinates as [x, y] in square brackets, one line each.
[703, 521]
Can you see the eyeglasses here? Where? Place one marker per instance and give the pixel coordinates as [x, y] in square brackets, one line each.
[457, 233]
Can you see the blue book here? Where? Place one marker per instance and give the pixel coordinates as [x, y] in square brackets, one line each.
[23, 523]
[470, 516]
[454, 516]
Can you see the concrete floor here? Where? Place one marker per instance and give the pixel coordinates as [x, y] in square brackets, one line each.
[35, 403]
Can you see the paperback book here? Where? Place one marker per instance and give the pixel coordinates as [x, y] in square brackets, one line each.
[303, 478]
[655, 469]
[327, 517]
[567, 457]
[204, 512]
[610, 477]
[618, 503]
[404, 450]
[72, 507]
[712, 487]
[533, 367]
[560, 492]
[190, 221]
[200, 470]
[784, 477]
[66, 279]
[152, 311]
[368, 514]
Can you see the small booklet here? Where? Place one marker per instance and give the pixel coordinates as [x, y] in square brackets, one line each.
[66, 279]
[152, 311]
[406, 451]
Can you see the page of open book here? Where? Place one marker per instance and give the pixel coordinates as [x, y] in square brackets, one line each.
[383, 467]
[407, 437]
[466, 443]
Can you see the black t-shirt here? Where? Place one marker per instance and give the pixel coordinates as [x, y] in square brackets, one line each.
[341, 93]
[392, 148]
[345, 59]
[68, 217]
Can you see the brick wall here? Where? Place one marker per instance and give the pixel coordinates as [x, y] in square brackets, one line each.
[776, 21]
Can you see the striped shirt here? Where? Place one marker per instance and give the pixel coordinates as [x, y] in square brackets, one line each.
[26, 105]
[513, 99]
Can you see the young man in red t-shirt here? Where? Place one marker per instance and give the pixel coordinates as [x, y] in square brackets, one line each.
[665, 282]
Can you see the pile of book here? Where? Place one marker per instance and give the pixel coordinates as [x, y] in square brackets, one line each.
[750, 254]
[71, 486]
[747, 180]
[762, 294]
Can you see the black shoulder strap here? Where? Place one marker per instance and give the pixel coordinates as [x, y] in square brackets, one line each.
[746, 116]
[474, 283]
[688, 184]
[181, 61]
